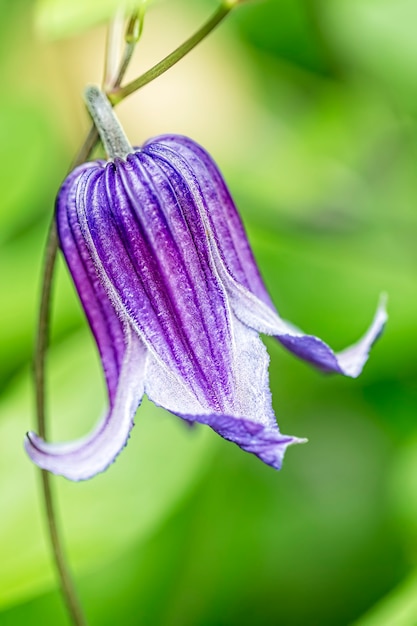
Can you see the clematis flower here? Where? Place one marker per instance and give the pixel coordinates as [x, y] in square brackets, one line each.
[175, 301]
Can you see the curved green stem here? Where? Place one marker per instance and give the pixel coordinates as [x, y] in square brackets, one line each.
[133, 34]
[43, 325]
[67, 586]
[87, 148]
[111, 132]
[117, 95]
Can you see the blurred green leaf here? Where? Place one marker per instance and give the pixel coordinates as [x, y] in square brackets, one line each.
[63, 18]
[398, 608]
[306, 532]
[29, 162]
[20, 277]
[102, 516]
[288, 29]
[403, 489]
[378, 37]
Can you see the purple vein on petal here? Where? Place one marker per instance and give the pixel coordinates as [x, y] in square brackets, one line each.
[211, 325]
[172, 272]
[103, 320]
[204, 177]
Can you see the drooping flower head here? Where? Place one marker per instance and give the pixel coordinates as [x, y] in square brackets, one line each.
[174, 298]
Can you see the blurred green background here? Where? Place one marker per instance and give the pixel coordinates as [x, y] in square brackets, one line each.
[310, 109]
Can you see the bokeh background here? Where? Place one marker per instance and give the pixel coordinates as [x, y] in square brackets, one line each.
[309, 107]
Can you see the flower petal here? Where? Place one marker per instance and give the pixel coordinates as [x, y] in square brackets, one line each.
[122, 353]
[253, 312]
[269, 445]
[88, 456]
[152, 252]
[216, 205]
[107, 327]
[251, 422]
[237, 267]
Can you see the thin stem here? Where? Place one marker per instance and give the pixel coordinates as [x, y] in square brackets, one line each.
[112, 135]
[115, 96]
[67, 586]
[87, 147]
[133, 34]
[43, 325]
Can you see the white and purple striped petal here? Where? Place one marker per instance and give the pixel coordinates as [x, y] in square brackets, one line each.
[165, 273]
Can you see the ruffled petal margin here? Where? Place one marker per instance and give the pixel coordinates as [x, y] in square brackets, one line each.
[267, 443]
[86, 457]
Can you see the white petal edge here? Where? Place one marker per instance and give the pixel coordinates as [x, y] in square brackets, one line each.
[250, 397]
[83, 458]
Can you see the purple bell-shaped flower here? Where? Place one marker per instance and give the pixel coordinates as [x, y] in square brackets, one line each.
[172, 293]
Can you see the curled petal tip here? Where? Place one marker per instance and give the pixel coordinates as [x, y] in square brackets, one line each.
[297, 440]
[84, 458]
[348, 362]
[76, 461]
[258, 314]
[62, 459]
[352, 359]
[275, 456]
